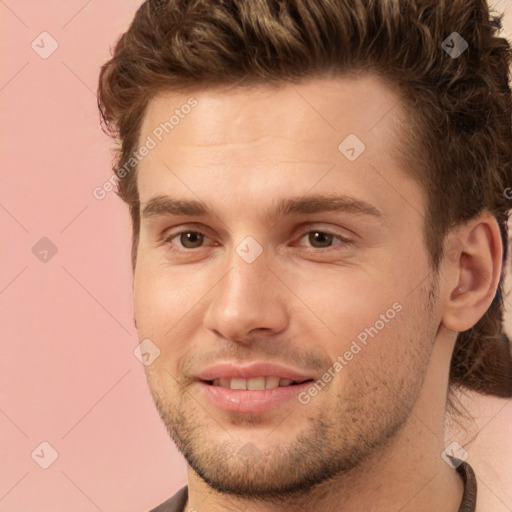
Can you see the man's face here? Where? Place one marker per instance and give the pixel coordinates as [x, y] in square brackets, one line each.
[304, 290]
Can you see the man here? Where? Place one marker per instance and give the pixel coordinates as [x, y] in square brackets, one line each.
[319, 236]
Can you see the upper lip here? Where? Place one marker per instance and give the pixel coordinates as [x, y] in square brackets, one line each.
[229, 370]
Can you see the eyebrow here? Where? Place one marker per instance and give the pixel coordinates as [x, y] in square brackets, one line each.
[165, 205]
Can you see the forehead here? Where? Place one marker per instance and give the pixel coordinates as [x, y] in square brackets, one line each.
[262, 140]
[310, 110]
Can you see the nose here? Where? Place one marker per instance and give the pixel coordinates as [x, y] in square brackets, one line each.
[248, 300]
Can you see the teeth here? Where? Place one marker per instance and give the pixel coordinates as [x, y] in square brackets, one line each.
[272, 382]
[238, 383]
[255, 383]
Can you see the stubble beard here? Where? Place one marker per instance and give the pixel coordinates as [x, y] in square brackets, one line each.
[340, 434]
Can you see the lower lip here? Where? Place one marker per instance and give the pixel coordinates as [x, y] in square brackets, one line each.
[250, 401]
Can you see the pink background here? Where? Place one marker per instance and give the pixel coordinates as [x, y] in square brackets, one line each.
[68, 373]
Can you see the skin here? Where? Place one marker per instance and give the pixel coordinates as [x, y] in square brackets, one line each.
[373, 438]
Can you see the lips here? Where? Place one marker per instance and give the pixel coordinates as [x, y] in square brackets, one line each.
[224, 372]
[246, 401]
[256, 387]
[254, 383]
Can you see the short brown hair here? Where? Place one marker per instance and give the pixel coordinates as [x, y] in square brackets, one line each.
[458, 147]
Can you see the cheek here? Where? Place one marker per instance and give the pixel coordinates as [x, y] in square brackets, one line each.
[166, 304]
[157, 299]
[366, 316]
[346, 301]
[147, 294]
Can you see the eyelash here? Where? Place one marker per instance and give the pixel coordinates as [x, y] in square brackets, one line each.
[344, 242]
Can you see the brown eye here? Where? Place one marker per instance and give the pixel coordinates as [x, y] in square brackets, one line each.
[320, 237]
[191, 239]
[323, 241]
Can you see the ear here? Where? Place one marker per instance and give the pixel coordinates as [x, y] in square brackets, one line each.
[472, 271]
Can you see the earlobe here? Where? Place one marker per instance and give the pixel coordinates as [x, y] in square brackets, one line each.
[472, 277]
